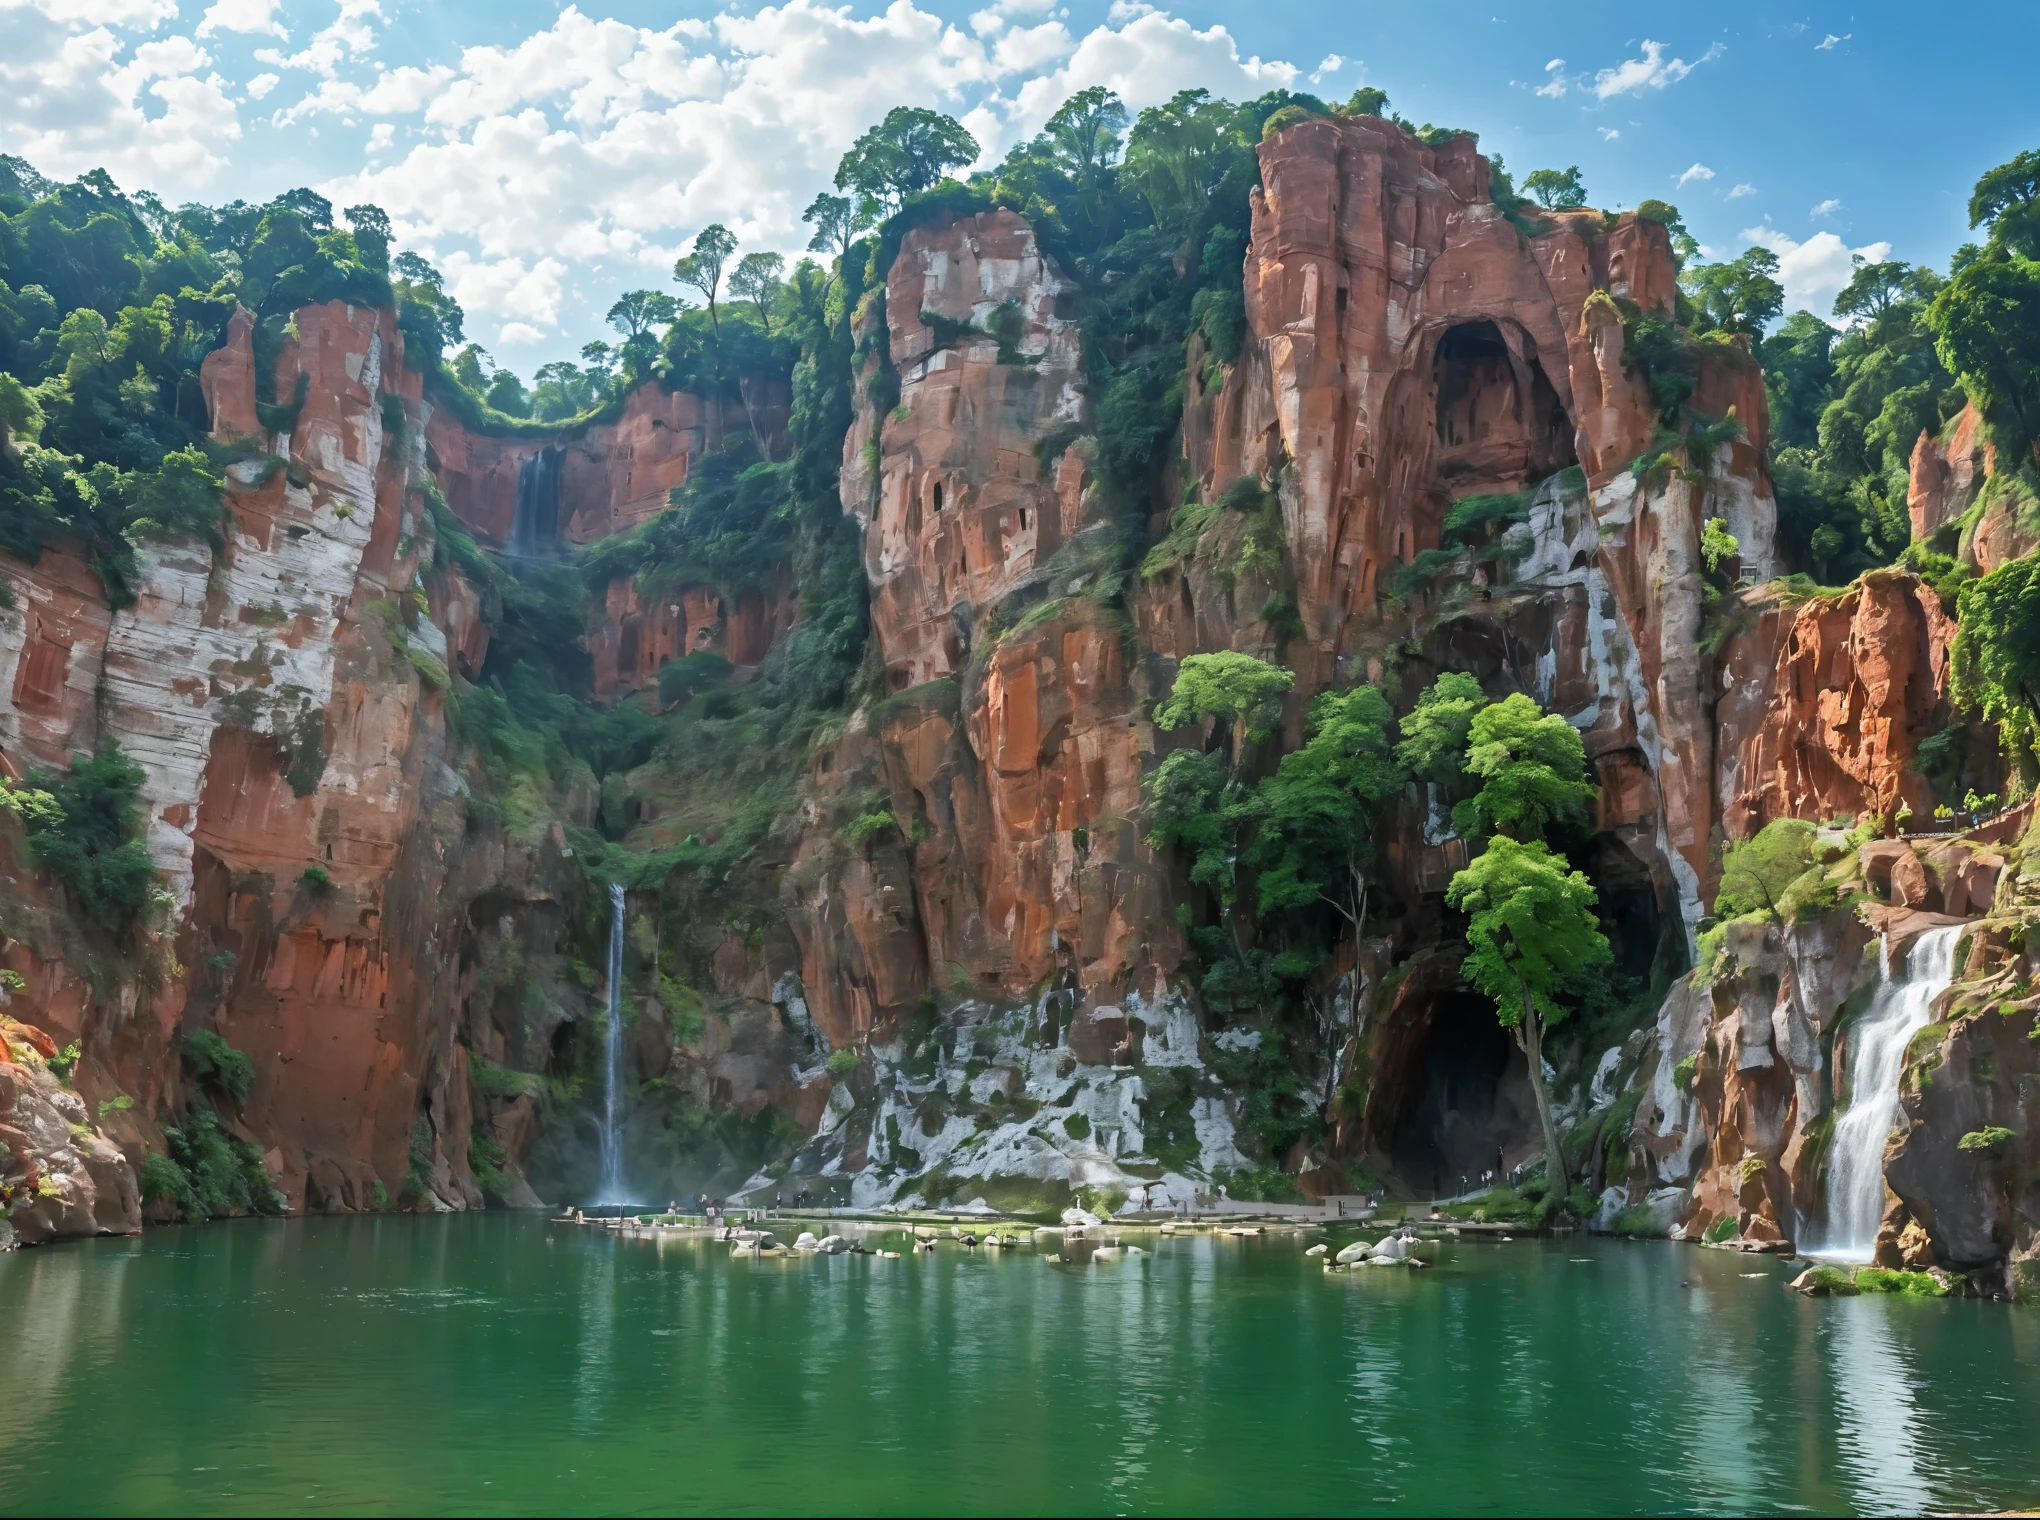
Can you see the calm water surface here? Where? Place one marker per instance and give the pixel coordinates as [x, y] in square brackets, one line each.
[494, 1363]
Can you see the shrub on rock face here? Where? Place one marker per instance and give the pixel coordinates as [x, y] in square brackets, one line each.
[216, 1064]
[88, 837]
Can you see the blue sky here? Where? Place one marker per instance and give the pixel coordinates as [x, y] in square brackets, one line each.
[550, 156]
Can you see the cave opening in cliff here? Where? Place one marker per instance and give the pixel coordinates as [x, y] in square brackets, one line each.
[563, 1050]
[1631, 915]
[1458, 1097]
[1500, 422]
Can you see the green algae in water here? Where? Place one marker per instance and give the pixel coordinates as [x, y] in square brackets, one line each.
[493, 1363]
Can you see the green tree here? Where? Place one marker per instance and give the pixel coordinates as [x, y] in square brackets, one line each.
[1875, 291]
[1181, 154]
[1532, 770]
[910, 151]
[836, 223]
[1317, 813]
[1740, 296]
[507, 395]
[2007, 200]
[758, 278]
[1531, 932]
[371, 228]
[1556, 189]
[1434, 734]
[1996, 661]
[703, 268]
[1986, 323]
[1367, 101]
[1756, 871]
[1242, 693]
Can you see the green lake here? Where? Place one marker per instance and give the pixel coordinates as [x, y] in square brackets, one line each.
[484, 1363]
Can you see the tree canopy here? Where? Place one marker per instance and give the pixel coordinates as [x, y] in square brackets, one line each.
[908, 152]
[1556, 189]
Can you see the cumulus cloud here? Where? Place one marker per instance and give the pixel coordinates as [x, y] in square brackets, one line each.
[1814, 272]
[77, 93]
[1742, 190]
[1609, 134]
[241, 16]
[1653, 71]
[1698, 171]
[519, 332]
[598, 142]
[350, 37]
[1826, 208]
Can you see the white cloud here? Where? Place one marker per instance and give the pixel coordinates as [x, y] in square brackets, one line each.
[380, 136]
[1609, 134]
[1123, 11]
[1554, 66]
[70, 101]
[350, 37]
[261, 85]
[241, 16]
[596, 142]
[1831, 41]
[1826, 208]
[1814, 272]
[1742, 190]
[519, 332]
[394, 92]
[1653, 71]
[527, 294]
[126, 14]
[1698, 171]
[1329, 65]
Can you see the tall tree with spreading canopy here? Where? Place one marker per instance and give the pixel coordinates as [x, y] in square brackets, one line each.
[1532, 770]
[1740, 296]
[910, 151]
[1557, 189]
[1531, 930]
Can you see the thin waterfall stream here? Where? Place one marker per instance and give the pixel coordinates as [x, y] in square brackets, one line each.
[612, 1065]
[1903, 1005]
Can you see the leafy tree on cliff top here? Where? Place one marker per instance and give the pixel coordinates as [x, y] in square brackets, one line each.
[1244, 694]
[1740, 296]
[910, 151]
[1531, 932]
[1556, 189]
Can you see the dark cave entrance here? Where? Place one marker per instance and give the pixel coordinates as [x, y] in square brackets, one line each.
[1462, 1095]
[1500, 422]
[1631, 915]
[563, 1050]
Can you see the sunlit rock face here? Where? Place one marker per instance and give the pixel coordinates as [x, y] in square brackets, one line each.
[1014, 743]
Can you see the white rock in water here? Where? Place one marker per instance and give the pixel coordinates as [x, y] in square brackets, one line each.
[1355, 1252]
[1080, 1218]
[1395, 1248]
[806, 1242]
[1316, 1250]
[1105, 1253]
[830, 1244]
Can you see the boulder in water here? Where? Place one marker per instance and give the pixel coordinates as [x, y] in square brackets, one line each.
[1823, 1281]
[1081, 1219]
[1316, 1250]
[832, 1245]
[806, 1242]
[1359, 1250]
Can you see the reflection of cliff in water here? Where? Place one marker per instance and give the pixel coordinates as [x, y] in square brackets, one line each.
[536, 530]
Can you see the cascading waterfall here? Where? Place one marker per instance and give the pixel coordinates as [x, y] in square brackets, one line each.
[1903, 1005]
[612, 1067]
[536, 528]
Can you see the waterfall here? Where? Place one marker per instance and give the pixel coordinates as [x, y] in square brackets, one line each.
[612, 1066]
[537, 526]
[1902, 1006]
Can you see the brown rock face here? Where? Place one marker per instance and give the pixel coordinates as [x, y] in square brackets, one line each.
[59, 1178]
[1833, 726]
[1946, 476]
[1409, 348]
[980, 558]
[599, 479]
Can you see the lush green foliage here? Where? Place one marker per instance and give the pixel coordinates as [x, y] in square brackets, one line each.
[88, 836]
[1756, 871]
[1531, 927]
[215, 1064]
[1531, 767]
[208, 1173]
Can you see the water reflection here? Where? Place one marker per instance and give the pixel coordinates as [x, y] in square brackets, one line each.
[491, 1364]
[1879, 1426]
